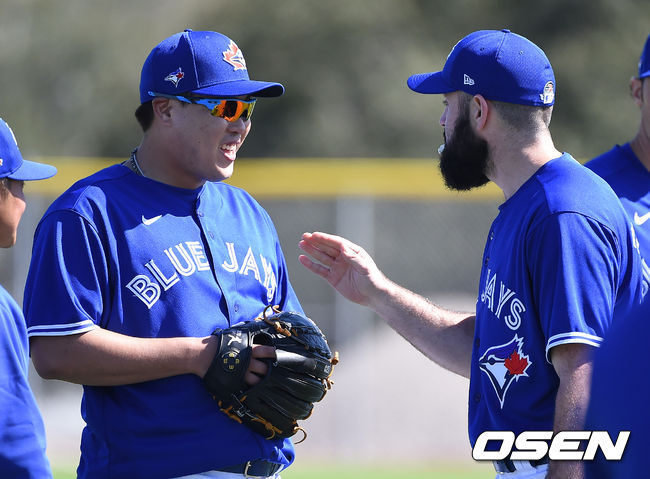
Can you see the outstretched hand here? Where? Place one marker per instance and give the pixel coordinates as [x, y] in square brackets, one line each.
[345, 265]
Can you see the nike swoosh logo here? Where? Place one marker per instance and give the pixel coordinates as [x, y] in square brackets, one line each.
[639, 220]
[149, 221]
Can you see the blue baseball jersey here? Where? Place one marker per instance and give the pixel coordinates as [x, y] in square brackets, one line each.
[630, 180]
[559, 265]
[123, 252]
[22, 434]
[620, 391]
[620, 395]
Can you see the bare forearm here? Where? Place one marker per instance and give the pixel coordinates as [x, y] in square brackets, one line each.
[444, 336]
[573, 364]
[104, 358]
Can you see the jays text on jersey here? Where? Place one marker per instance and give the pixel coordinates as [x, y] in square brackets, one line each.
[22, 448]
[559, 265]
[125, 253]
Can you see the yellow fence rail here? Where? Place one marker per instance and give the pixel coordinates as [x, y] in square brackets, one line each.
[303, 178]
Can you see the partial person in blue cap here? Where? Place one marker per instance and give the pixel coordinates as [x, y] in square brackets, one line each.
[559, 266]
[135, 266]
[621, 391]
[22, 448]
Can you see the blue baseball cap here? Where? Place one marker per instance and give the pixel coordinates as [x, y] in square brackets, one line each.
[644, 61]
[12, 164]
[202, 63]
[498, 64]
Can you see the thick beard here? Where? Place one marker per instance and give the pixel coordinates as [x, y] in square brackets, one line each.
[465, 158]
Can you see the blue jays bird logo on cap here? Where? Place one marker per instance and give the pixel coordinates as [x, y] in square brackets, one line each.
[234, 56]
[505, 364]
[175, 77]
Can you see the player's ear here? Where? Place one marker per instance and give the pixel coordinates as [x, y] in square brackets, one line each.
[478, 111]
[636, 90]
[162, 109]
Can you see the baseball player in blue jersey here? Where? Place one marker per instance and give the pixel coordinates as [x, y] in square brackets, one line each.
[621, 392]
[135, 266]
[22, 448]
[559, 263]
[627, 168]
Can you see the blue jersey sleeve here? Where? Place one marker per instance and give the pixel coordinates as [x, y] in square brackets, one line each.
[68, 277]
[574, 260]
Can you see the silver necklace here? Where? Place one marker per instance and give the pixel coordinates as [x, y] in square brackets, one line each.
[134, 159]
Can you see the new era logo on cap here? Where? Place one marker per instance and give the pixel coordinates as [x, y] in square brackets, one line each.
[467, 80]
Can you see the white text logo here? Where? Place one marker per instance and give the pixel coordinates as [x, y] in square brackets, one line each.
[534, 445]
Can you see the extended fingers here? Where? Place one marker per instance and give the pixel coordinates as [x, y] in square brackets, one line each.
[319, 269]
[321, 253]
[328, 244]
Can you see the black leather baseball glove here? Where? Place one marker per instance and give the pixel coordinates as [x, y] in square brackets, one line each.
[299, 377]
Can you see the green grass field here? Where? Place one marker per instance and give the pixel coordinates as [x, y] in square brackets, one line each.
[391, 471]
[376, 471]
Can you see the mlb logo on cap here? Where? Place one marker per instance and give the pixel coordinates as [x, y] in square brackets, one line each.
[498, 64]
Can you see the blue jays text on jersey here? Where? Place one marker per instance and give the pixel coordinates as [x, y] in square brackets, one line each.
[558, 268]
[505, 305]
[125, 253]
[185, 259]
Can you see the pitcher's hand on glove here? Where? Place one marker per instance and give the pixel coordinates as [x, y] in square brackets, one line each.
[294, 381]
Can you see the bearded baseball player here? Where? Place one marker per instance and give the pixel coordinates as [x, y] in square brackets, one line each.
[559, 265]
[620, 395]
[135, 267]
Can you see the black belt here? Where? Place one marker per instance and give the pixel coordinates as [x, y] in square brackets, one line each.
[257, 468]
[506, 465]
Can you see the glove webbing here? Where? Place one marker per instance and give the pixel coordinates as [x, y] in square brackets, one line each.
[294, 333]
[289, 333]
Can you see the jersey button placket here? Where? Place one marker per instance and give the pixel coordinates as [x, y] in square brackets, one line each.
[490, 239]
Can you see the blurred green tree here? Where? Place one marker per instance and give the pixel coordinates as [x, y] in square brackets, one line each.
[71, 69]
